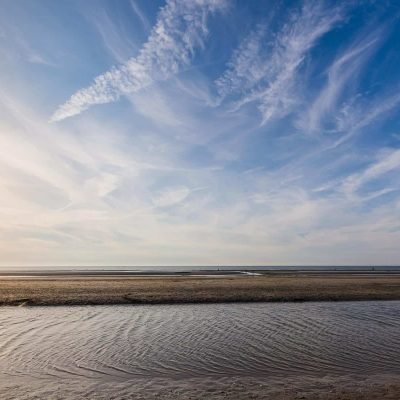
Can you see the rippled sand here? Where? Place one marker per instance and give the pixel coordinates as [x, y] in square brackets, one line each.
[377, 387]
[78, 290]
[348, 350]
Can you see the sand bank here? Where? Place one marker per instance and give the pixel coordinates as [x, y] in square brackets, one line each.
[100, 290]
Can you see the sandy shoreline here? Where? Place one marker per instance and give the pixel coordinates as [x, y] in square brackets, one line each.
[176, 289]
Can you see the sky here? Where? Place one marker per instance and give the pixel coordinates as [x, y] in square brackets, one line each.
[199, 132]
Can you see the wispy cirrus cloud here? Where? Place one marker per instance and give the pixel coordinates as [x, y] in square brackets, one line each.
[274, 65]
[246, 67]
[181, 28]
[353, 118]
[343, 70]
[388, 162]
[139, 13]
[119, 45]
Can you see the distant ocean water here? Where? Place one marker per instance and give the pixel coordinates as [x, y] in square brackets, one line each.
[77, 268]
[44, 349]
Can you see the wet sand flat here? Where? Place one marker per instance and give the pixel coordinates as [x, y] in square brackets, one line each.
[382, 387]
[102, 290]
[276, 351]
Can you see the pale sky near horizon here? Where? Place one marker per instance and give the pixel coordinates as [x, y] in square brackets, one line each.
[199, 132]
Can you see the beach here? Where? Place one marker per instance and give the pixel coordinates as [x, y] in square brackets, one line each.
[106, 289]
[341, 345]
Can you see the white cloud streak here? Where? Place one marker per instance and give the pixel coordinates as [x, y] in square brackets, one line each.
[139, 13]
[181, 28]
[389, 162]
[118, 44]
[273, 68]
[340, 73]
[354, 118]
[246, 67]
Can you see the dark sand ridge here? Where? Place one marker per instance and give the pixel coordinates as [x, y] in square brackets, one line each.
[98, 290]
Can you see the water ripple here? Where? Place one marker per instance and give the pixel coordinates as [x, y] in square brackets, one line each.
[200, 340]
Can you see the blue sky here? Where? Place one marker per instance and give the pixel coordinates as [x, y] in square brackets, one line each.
[199, 132]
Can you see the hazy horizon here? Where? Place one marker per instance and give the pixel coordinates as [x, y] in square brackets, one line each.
[150, 268]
